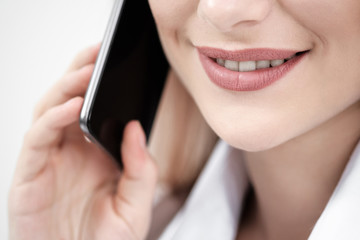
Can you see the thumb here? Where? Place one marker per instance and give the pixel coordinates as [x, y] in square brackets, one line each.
[136, 187]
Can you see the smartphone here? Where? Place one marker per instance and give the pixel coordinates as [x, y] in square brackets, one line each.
[128, 77]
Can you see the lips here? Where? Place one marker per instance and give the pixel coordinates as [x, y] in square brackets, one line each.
[217, 64]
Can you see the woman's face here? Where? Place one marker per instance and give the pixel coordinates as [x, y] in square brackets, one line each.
[259, 110]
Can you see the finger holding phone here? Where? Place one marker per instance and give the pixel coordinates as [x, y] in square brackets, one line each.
[67, 188]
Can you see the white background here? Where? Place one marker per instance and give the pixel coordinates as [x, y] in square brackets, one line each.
[38, 39]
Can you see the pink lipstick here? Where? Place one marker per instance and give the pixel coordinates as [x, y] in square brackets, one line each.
[256, 69]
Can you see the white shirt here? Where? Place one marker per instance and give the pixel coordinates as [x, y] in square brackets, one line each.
[214, 205]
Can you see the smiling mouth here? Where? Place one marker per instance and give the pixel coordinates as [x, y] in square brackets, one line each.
[250, 59]
[248, 66]
[249, 69]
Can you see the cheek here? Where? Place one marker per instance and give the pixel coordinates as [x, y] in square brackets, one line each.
[172, 14]
[172, 18]
[326, 17]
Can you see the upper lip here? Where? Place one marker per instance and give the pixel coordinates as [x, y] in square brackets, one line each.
[255, 54]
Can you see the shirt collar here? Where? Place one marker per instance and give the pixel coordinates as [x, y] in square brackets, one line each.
[212, 209]
[214, 205]
[341, 216]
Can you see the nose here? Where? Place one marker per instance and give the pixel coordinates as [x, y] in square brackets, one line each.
[226, 14]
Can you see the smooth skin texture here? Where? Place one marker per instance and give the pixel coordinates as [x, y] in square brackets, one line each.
[298, 133]
[65, 187]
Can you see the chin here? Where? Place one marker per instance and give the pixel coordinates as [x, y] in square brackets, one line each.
[253, 140]
[252, 143]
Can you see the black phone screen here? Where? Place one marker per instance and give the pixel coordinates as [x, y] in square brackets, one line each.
[132, 80]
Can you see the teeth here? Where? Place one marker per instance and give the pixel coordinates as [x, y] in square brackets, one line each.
[262, 64]
[221, 62]
[232, 65]
[247, 66]
[275, 63]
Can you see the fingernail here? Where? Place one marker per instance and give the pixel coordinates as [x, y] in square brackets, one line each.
[141, 137]
[69, 102]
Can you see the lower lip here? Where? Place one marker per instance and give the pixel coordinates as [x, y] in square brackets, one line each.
[246, 81]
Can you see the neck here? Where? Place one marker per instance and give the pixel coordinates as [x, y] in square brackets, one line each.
[294, 181]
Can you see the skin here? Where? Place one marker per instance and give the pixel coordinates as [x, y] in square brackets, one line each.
[290, 130]
[67, 188]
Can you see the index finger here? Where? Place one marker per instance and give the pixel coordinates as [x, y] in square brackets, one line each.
[85, 57]
[44, 135]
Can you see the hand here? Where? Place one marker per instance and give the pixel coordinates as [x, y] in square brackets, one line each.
[67, 188]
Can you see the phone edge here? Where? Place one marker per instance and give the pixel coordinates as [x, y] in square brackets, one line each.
[98, 70]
